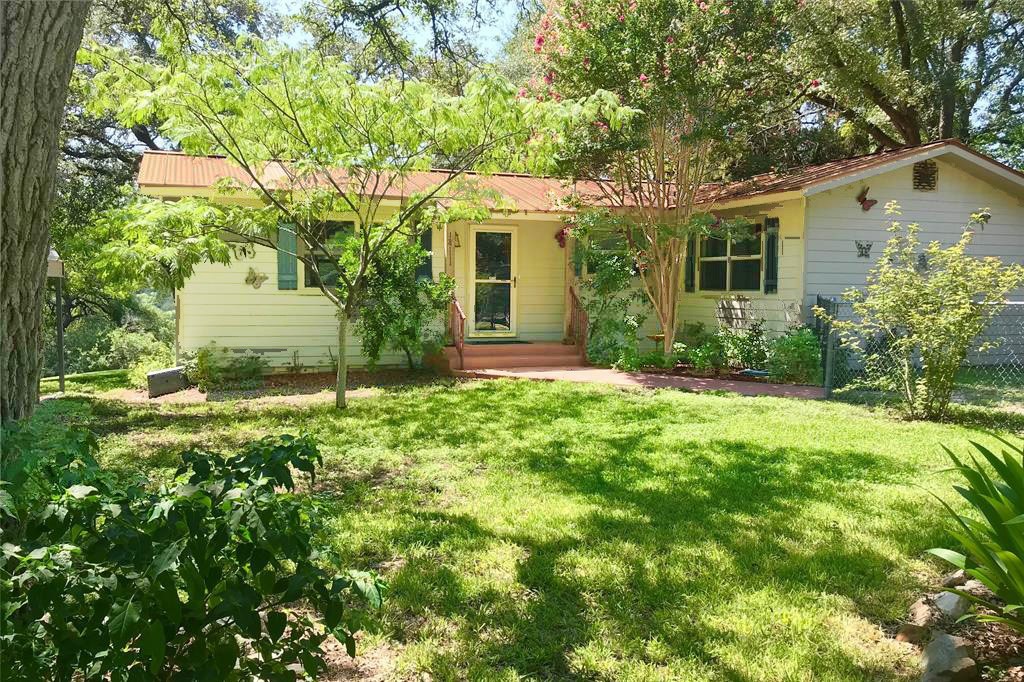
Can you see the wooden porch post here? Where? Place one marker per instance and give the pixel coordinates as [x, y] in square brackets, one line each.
[570, 278]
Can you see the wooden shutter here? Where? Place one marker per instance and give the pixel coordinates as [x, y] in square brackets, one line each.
[287, 262]
[771, 256]
[425, 270]
[690, 267]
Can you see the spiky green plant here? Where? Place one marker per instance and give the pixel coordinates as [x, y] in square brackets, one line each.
[993, 544]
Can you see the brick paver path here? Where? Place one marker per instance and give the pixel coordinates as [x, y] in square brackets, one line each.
[597, 375]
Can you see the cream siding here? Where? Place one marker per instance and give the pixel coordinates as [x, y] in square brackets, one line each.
[285, 327]
[835, 221]
[780, 309]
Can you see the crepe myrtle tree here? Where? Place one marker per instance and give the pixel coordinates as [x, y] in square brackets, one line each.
[690, 68]
[309, 143]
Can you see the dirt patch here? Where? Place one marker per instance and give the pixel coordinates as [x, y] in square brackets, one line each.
[373, 665]
[287, 389]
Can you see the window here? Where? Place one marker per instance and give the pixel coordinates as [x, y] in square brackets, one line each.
[331, 236]
[731, 265]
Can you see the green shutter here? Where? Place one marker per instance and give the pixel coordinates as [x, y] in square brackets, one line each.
[771, 256]
[287, 262]
[690, 269]
[425, 270]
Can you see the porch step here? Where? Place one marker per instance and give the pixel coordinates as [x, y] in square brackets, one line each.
[510, 355]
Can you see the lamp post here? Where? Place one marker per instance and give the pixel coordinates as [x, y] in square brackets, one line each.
[55, 270]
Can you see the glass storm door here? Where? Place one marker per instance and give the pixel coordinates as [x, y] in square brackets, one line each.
[494, 282]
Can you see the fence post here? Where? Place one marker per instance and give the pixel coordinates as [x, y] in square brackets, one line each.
[830, 360]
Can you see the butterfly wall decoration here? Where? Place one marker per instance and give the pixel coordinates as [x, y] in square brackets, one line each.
[865, 203]
[255, 279]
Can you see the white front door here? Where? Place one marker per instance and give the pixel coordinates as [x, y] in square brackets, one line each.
[493, 285]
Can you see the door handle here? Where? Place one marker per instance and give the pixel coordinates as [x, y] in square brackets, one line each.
[514, 281]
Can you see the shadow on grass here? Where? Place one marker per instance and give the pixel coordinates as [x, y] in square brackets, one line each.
[666, 531]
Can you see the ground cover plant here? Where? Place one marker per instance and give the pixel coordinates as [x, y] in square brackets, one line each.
[551, 530]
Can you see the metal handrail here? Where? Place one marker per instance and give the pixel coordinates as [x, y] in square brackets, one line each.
[578, 322]
[457, 327]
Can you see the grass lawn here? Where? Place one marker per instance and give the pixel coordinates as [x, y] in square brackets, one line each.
[86, 382]
[550, 530]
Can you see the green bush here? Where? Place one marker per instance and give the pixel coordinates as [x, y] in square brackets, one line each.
[710, 354]
[928, 303]
[215, 367]
[215, 575]
[137, 375]
[796, 357]
[747, 348]
[127, 348]
[994, 541]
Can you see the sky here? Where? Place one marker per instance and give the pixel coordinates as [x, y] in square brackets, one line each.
[490, 37]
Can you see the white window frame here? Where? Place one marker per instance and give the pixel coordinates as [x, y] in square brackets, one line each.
[728, 259]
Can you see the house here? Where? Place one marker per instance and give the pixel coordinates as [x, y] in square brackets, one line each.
[820, 230]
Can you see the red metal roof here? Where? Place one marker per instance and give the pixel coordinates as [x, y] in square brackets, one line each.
[527, 193]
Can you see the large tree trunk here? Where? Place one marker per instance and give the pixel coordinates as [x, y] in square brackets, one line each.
[38, 41]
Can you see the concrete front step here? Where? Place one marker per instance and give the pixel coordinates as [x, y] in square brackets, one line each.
[492, 355]
[492, 361]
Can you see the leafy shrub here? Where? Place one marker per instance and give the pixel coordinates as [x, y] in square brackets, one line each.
[403, 312]
[796, 357]
[213, 367]
[214, 575]
[993, 544]
[137, 375]
[609, 292]
[928, 304]
[126, 348]
[747, 348]
[710, 354]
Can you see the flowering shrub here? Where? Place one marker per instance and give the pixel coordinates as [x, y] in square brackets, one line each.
[921, 311]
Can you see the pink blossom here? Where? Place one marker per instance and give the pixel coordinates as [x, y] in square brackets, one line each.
[670, 40]
[549, 77]
[521, 93]
[643, 79]
[538, 44]
[586, 63]
[584, 25]
[726, 10]
[622, 18]
[703, 7]
[815, 83]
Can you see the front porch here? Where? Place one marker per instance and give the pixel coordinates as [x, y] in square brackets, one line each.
[514, 301]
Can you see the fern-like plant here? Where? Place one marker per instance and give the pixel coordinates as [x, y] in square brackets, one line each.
[994, 543]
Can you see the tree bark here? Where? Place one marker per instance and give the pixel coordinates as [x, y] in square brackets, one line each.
[342, 379]
[38, 41]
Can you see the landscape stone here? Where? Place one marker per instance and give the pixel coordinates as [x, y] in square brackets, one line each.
[948, 659]
[955, 579]
[951, 605]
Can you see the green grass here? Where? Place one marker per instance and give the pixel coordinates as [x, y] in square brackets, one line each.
[555, 531]
[86, 382]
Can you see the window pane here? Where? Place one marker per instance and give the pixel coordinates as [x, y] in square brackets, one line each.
[747, 247]
[328, 271]
[493, 255]
[712, 275]
[746, 275]
[334, 229]
[493, 307]
[711, 247]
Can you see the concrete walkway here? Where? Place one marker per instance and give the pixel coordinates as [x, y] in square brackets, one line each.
[597, 375]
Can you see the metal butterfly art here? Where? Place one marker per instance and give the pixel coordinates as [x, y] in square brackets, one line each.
[255, 279]
[865, 203]
[863, 248]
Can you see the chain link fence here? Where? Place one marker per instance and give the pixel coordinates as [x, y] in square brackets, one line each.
[992, 375]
